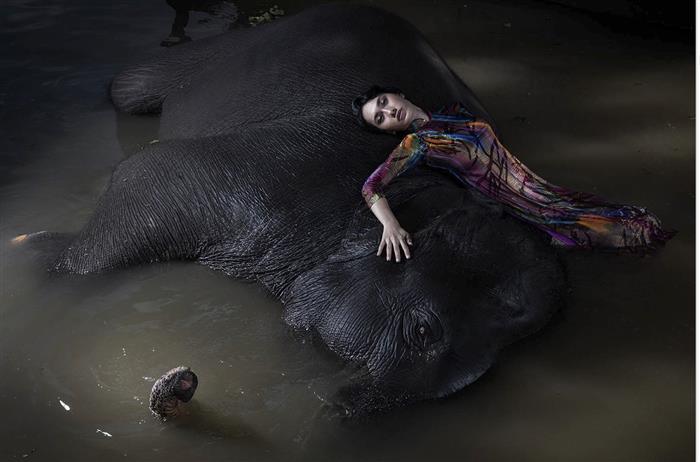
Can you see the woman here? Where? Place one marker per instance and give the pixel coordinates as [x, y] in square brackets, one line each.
[456, 140]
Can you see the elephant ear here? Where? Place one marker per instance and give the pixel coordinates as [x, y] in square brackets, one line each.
[419, 199]
[522, 272]
[527, 300]
[480, 228]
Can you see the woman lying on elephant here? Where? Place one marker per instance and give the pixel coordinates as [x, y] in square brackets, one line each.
[454, 139]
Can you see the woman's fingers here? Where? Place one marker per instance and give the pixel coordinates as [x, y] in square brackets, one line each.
[397, 250]
[393, 242]
[404, 246]
[381, 247]
[388, 251]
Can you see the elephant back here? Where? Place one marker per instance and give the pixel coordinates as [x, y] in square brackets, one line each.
[308, 67]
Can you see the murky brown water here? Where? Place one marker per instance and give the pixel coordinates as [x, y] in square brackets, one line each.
[585, 105]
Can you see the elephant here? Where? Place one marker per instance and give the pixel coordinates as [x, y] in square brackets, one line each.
[257, 173]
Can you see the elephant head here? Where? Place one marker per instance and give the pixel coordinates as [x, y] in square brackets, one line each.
[426, 327]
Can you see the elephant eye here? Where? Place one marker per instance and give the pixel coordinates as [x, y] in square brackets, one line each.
[421, 328]
[423, 335]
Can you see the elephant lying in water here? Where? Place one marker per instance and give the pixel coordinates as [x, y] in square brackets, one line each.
[258, 174]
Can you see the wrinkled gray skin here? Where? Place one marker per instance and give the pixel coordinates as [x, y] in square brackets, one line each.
[174, 387]
[258, 174]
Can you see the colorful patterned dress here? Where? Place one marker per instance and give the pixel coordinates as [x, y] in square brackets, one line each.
[455, 140]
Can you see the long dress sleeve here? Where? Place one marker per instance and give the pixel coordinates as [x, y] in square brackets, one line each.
[572, 219]
[402, 158]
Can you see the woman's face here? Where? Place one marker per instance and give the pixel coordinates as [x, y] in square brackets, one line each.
[390, 112]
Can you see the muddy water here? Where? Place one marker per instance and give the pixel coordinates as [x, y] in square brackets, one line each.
[593, 106]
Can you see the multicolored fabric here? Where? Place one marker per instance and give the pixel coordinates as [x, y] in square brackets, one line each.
[455, 140]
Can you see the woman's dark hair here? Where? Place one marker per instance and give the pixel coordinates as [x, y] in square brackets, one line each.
[360, 101]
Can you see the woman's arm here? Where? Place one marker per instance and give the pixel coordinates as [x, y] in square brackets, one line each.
[401, 159]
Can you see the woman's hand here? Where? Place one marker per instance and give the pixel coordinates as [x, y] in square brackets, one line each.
[395, 238]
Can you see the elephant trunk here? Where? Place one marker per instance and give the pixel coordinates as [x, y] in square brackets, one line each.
[174, 387]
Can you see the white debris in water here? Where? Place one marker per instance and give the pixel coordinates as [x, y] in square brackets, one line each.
[65, 406]
[319, 397]
[148, 379]
[108, 435]
[124, 352]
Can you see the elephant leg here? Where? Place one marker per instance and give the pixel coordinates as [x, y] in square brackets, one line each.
[141, 89]
[149, 213]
